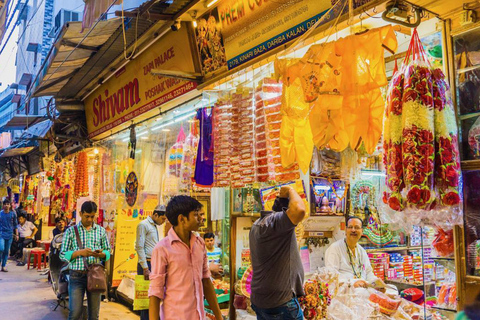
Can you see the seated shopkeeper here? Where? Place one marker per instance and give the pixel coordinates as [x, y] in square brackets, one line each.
[351, 260]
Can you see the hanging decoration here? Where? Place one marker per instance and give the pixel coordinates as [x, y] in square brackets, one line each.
[81, 176]
[420, 141]
[131, 189]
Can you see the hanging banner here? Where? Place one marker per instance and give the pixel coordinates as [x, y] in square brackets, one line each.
[133, 91]
[251, 28]
[125, 258]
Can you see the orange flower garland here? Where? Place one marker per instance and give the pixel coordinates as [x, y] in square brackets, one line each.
[81, 176]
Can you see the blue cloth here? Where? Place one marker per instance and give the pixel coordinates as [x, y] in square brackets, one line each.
[8, 223]
[77, 287]
[143, 313]
[5, 245]
[204, 164]
[287, 311]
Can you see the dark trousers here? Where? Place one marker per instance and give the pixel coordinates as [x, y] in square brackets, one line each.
[143, 313]
[290, 310]
[23, 243]
[77, 287]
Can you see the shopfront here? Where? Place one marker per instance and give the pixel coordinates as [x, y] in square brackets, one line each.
[358, 116]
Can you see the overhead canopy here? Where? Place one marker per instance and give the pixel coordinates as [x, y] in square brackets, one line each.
[20, 121]
[16, 152]
[70, 52]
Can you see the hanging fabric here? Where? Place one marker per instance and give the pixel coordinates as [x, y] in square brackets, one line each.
[204, 163]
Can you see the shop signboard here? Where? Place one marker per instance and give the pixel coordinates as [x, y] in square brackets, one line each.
[251, 28]
[132, 91]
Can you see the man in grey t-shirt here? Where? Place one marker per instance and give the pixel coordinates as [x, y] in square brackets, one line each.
[277, 268]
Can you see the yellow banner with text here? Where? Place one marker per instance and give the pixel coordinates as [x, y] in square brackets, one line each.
[253, 27]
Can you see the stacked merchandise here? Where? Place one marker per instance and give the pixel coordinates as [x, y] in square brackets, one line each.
[408, 268]
[379, 263]
[416, 237]
[417, 267]
[242, 161]
[222, 124]
[268, 120]
[396, 267]
[262, 145]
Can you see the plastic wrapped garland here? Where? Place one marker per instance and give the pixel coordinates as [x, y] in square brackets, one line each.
[421, 145]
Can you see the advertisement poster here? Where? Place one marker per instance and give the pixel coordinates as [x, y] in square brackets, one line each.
[133, 90]
[127, 220]
[252, 28]
[210, 42]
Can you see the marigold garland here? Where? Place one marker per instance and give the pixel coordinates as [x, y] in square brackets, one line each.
[420, 138]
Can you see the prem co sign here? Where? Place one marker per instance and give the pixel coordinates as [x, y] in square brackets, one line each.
[133, 91]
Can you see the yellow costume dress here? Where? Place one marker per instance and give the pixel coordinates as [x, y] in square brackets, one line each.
[364, 74]
[296, 140]
[321, 77]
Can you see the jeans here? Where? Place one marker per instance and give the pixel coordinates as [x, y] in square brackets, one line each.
[77, 286]
[143, 313]
[290, 310]
[4, 250]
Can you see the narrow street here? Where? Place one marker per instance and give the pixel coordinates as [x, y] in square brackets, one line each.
[27, 295]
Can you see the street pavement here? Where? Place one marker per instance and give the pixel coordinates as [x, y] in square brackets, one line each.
[27, 295]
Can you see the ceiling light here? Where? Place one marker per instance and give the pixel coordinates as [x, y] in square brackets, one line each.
[194, 23]
[166, 130]
[159, 118]
[95, 151]
[211, 3]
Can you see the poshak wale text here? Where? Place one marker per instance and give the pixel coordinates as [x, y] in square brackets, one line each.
[107, 105]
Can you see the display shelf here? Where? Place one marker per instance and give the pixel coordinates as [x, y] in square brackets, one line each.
[470, 164]
[444, 309]
[322, 223]
[469, 116]
[246, 215]
[392, 249]
[443, 258]
[467, 69]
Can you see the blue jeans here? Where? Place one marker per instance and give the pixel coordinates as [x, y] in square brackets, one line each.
[4, 250]
[143, 313]
[77, 286]
[290, 310]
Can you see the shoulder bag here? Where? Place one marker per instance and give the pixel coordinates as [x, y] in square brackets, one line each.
[96, 278]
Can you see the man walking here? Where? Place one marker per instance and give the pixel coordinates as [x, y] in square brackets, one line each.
[277, 279]
[183, 255]
[8, 223]
[96, 249]
[147, 238]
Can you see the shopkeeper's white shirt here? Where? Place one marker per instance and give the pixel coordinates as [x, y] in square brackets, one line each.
[336, 257]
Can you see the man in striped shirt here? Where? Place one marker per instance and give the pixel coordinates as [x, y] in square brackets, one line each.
[96, 249]
[213, 255]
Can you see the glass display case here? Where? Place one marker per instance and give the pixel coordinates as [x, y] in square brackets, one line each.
[467, 80]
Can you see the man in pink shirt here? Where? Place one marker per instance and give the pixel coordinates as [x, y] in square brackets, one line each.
[180, 277]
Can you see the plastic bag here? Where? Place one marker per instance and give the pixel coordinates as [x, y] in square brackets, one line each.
[421, 145]
[387, 305]
[141, 300]
[444, 243]
[474, 139]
